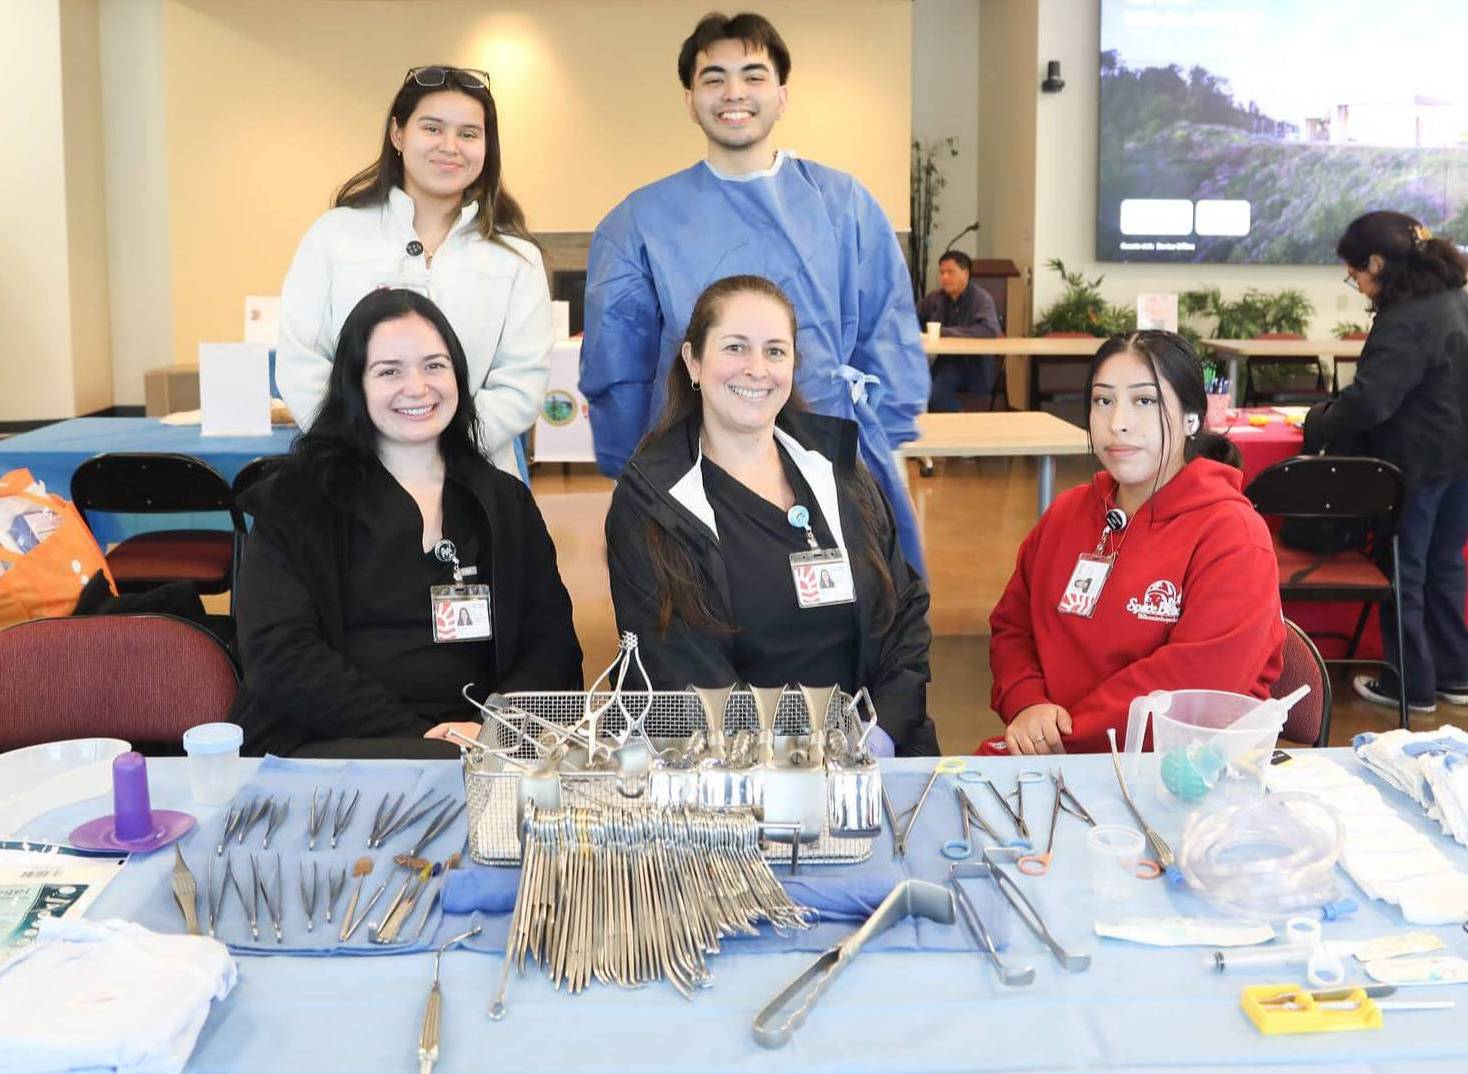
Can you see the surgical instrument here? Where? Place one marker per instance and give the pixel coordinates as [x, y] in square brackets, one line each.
[977, 930]
[1018, 819]
[350, 927]
[969, 814]
[252, 912]
[232, 821]
[395, 822]
[335, 882]
[317, 816]
[186, 891]
[437, 827]
[1161, 852]
[391, 918]
[257, 810]
[909, 898]
[360, 870]
[277, 818]
[383, 818]
[946, 766]
[1038, 864]
[1009, 888]
[442, 876]
[274, 907]
[308, 895]
[216, 901]
[428, 1035]
[343, 819]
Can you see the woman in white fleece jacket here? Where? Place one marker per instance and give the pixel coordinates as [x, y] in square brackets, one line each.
[429, 215]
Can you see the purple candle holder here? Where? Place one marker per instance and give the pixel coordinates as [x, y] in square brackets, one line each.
[134, 824]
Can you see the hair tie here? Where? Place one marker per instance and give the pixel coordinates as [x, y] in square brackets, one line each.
[1420, 235]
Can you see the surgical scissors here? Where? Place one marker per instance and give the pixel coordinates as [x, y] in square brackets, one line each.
[968, 815]
[1018, 819]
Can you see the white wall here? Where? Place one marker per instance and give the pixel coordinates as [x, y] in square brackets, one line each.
[138, 244]
[945, 102]
[1065, 190]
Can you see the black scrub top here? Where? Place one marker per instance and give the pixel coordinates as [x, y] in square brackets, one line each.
[777, 641]
[389, 621]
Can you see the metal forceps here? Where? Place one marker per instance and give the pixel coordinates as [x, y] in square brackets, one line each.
[215, 901]
[1165, 862]
[1022, 906]
[946, 767]
[968, 815]
[276, 907]
[308, 894]
[1038, 864]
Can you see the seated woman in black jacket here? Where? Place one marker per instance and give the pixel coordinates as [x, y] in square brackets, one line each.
[354, 636]
[747, 544]
[1409, 406]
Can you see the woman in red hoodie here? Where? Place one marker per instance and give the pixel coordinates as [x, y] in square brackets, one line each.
[1158, 575]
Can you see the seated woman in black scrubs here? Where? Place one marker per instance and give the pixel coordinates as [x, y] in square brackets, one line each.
[746, 543]
[354, 638]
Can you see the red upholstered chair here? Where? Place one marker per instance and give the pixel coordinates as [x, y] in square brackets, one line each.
[1336, 487]
[1253, 396]
[1309, 720]
[159, 483]
[144, 678]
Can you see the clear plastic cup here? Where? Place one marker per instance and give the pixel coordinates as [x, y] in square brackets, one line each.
[1115, 852]
[213, 750]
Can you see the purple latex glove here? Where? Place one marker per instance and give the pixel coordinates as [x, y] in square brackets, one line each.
[880, 744]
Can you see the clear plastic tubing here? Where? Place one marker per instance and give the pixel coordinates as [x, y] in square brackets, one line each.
[1264, 859]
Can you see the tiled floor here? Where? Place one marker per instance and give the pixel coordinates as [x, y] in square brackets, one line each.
[973, 513]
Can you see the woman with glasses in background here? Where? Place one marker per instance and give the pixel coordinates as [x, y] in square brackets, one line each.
[430, 215]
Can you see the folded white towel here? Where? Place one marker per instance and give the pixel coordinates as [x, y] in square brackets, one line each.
[108, 995]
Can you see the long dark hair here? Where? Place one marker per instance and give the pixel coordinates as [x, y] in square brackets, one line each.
[680, 590]
[499, 214]
[341, 445]
[1170, 357]
[1413, 262]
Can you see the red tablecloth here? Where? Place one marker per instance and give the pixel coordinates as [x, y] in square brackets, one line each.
[1261, 447]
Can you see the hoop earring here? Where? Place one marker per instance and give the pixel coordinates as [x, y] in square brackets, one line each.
[694, 384]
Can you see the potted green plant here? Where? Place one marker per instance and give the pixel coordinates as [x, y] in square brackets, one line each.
[1083, 309]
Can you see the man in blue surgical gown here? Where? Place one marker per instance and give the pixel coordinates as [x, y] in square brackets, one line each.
[750, 209]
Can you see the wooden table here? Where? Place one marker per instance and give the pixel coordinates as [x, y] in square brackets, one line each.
[1241, 350]
[1020, 432]
[1016, 350]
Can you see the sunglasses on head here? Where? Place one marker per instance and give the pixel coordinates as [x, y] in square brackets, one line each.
[432, 77]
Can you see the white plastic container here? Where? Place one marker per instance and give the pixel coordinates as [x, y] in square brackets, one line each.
[1115, 851]
[213, 749]
[1202, 758]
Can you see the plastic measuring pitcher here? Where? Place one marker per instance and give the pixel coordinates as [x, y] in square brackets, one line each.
[1208, 743]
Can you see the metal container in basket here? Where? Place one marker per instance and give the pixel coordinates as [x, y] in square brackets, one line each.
[672, 726]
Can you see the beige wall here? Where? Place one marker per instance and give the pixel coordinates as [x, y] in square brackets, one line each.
[1065, 189]
[53, 302]
[270, 105]
[86, 212]
[945, 103]
[135, 147]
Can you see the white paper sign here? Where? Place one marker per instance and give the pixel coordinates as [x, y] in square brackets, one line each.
[262, 318]
[234, 389]
[561, 320]
[563, 429]
[1157, 312]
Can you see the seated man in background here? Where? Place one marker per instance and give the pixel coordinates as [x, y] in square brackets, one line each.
[965, 310]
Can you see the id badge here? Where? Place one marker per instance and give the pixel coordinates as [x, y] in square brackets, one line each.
[461, 613]
[822, 578]
[1085, 585]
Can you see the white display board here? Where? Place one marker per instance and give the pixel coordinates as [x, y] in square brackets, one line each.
[563, 427]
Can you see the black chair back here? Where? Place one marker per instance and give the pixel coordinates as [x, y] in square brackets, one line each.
[255, 470]
[1329, 486]
[143, 482]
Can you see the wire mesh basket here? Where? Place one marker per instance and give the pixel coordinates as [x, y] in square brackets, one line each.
[667, 721]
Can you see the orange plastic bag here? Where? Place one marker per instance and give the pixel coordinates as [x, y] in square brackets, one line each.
[48, 579]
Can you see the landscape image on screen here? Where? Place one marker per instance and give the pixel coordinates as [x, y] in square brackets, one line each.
[1254, 131]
